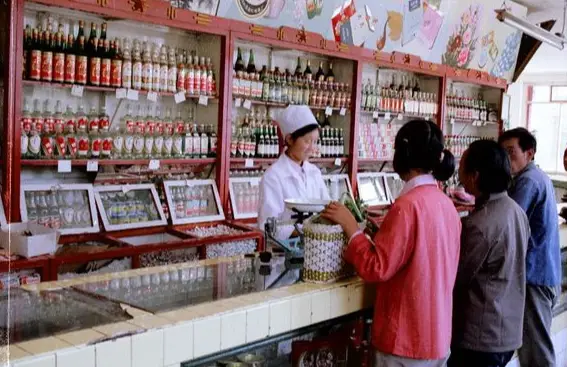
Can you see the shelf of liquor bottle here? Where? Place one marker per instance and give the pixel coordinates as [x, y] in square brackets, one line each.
[119, 162]
[94, 88]
[403, 115]
[460, 120]
[253, 160]
[256, 102]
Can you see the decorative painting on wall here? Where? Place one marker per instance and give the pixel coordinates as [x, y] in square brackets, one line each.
[462, 43]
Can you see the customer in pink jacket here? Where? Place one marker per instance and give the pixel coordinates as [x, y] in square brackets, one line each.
[413, 258]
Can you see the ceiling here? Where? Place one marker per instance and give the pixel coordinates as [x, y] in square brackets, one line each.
[541, 5]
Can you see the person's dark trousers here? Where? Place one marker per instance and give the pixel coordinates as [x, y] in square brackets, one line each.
[537, 346]
[470, 358]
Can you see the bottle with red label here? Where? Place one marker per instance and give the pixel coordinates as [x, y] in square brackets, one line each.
[60, 145]
[106, 136]
[126, 65]
[172, 71]
[196, 76]
[211, 88]
[35, 56]
[189, 76]
[147, 68]
[46, 55]
[181, 71]
[71, 141]
[106, 63]
[116, 64]
[94, 120]
[104, 119]
[204, 78]
[37, 117]
[156, 69]
[95, 62]
[95, 143]
[70, 60]
[149, 137]
[164, 69]
[25, 129]
[128, 134]
[27, 51]
[159, 134]
[48, 137]
[59, 55]
[136, 66]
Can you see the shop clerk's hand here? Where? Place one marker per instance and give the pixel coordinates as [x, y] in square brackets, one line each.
[339, 214]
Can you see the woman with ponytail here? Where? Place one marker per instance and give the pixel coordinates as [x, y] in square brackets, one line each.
[414, 256]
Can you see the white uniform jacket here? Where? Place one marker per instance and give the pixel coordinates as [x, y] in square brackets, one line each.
[286, 179]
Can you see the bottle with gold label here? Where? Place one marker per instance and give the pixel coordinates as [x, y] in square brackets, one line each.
[136, 66]
[126, 65]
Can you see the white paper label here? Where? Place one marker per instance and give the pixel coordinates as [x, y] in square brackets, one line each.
[238, 102]
[387, 115]
[121, 93]
[92, 166]
[343, 111]
[64, 166]
[338, 162]
[132, 95]
[125, 188]
[154, 164]
[375, 115]
[247, 104]
[152, 96]
[249, 163]
[328, 111]
[179, 97]
[452, 121]
[400, 116]
[77, 90]
[254, 183]
[204, 100]
[188, 182]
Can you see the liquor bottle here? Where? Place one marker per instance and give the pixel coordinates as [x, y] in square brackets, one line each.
[46, 56]
[138, 138]
[190, 76]
[128, 133]
[25, 129]
[136, 66]
[320, 76]
[70, 134]
[27, 51]
[83, 141]
[94, 120]
[60, 144]
[159, 133]
[308, 74]
[167, 149]
[177, 148]
[59, 56]
[213, 141]
[149, 137]
[106, 63]
[106, 135]
[265, 84]
[251, 68]
[187, 140]
[82, 119]
[103, 28]
[117, 142]
[172, 71]
[211, 82]
[181, 71]
[239, 65]
[156, 68]
[94, 63]
[204, 78]
[204, 142]
[116, 64]
[126, 65]
[70, 60]
[147, 68]
[196, 142]
[330, 75]
[95, 143]
[164, 69]
[298, 71]
[34, 72]
[196, 76]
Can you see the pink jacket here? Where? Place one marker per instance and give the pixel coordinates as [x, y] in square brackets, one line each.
[414, 261]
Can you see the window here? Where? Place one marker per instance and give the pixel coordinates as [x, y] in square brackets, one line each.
[547, 120]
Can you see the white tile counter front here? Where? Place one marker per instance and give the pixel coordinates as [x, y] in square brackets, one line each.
[167, 339]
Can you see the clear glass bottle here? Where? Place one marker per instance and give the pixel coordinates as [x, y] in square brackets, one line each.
[149, 134]
[196, 142]
[137, 66]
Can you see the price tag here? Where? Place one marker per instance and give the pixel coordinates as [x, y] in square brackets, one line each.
[254, 183]
[238, 102]
[338, 162]
[188, 182]
[249, 163]
[152, 96]
[375, 115]
[125, 188]
[427, 118]
[64, 166]
[132, 95]
[77, 90]
[121, 93]
[154, 164]
[92, 166]
[452, 121]
[179, 97]
[388, 115]
[343, 111]
[328, 111]
[204, 100]
[400, 116]
[247, 104]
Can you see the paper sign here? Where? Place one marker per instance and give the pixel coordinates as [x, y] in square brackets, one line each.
[452, 121]
[64, 166]
[154, 164]
[387, 115]
[179, 97]
[203, 100]
[152, 96]
[132, 95]
[237, 102]
[247, 104]
[249, 163]
[328, 111]
[338, 162]
[188, 182]
[413, 16]
[125, 188]
[430, 27]
[77, 90]
[375, 115]
[121, 93]
[92, 166]
[400, 116]
[343, 111]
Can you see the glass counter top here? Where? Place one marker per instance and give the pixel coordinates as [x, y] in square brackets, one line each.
[35, 315]
[192, 285]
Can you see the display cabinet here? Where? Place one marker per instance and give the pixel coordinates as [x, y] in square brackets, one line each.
[337, 185]
[244, 197]
[193, 201]
[372, 189]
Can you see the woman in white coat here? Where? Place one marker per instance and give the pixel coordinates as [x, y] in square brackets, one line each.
[292, 176]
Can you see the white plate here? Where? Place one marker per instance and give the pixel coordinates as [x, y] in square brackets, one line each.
[307, 205]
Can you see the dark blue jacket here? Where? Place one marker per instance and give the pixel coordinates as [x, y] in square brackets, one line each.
[533, 191]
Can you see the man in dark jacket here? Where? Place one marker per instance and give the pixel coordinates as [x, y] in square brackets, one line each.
[489, 294]
[533, 190]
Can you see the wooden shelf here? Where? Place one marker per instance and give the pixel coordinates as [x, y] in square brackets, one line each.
[92, 88]
[272, 160]
[118, 162]
[471, 121]
[394, 115]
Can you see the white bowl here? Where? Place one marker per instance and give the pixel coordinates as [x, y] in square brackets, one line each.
[307, 205]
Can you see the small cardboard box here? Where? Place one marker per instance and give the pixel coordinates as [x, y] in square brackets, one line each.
[43, 240]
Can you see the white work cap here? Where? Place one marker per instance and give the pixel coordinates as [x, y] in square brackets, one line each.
[294, 118]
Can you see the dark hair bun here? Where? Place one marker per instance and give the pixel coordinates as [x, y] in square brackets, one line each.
[445, 168]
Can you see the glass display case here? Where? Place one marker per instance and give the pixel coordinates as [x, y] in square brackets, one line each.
[372, 188]
[337, 185]
[69, 208]
[129, 206]
[244, 196]
[30, 315]
[394, 185]
[193, 201]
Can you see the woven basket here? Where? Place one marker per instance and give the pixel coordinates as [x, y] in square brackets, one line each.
[324, 248]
